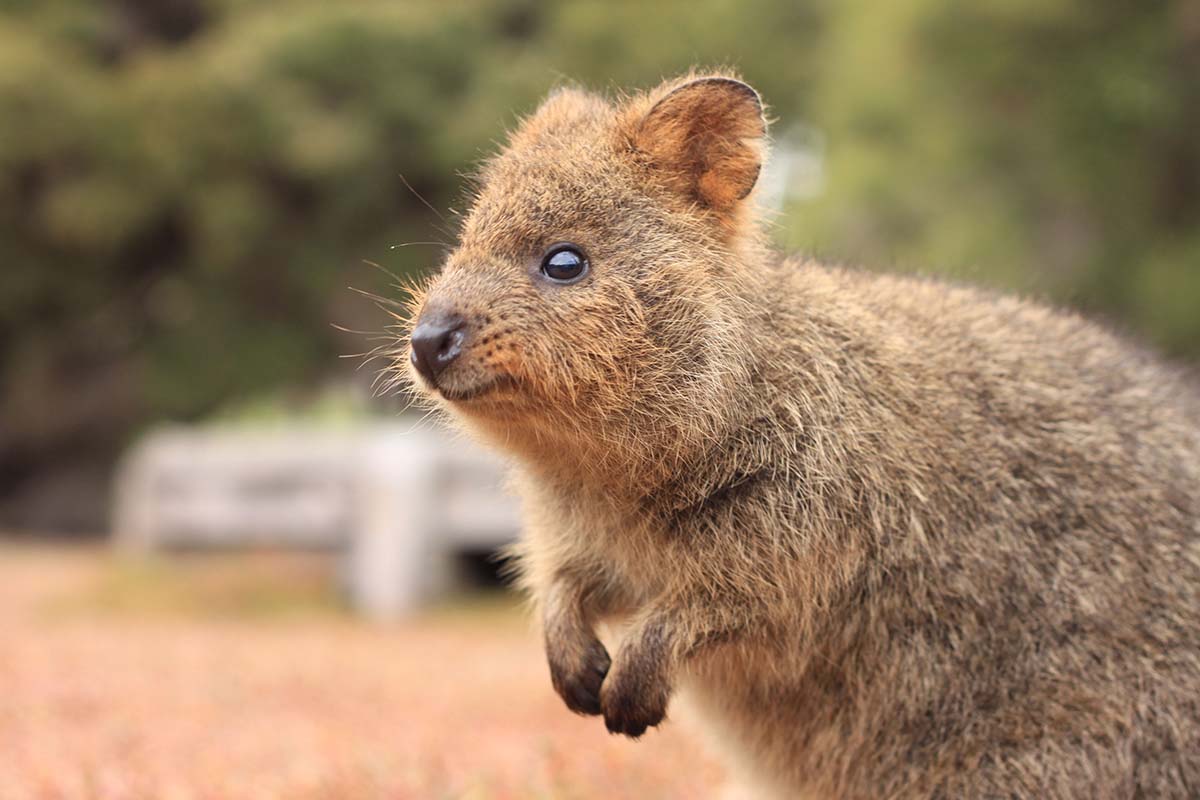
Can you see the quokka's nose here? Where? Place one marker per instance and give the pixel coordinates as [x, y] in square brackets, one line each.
[436, 342]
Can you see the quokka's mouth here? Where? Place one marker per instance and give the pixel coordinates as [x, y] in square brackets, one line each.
[456, 394]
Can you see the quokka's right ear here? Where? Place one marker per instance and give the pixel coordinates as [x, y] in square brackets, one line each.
[707, 138]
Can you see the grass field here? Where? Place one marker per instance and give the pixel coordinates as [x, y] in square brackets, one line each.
[225, 678]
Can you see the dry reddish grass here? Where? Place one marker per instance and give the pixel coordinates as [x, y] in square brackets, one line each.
[233, 679]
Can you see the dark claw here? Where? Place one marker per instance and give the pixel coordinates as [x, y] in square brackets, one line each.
[629, 728]
[631, 715]
[580, 687]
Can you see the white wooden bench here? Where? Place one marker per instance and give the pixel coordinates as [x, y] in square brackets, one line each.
[401, 501]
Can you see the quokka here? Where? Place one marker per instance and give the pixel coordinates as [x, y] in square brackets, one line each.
[892, 538]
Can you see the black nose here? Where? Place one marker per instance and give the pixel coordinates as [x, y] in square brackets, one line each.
[436, 342]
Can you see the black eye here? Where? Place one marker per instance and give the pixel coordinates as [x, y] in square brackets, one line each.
[564, 263]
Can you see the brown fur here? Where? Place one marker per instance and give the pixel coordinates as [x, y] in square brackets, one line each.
[894, 538]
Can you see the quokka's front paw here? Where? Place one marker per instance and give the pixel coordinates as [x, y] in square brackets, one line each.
[577, 672]
[633, 701]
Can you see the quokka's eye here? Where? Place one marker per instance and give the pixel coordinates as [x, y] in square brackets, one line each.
[564, 263]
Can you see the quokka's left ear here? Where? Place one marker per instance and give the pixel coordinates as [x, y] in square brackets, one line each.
[708, 139]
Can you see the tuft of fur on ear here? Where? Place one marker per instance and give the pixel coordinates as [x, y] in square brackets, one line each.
[708, 137]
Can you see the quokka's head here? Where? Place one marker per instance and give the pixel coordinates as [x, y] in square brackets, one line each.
[596, 285]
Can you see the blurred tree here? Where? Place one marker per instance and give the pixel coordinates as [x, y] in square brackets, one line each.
[187, 186]
[1045, 146]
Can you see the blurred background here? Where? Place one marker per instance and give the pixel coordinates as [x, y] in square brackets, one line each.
[189, 187]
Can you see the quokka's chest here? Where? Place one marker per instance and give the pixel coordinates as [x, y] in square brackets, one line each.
[629, 546]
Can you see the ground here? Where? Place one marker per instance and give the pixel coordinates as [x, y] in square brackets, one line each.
[230, 678]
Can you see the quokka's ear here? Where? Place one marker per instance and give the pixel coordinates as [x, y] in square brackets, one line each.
[708, 136]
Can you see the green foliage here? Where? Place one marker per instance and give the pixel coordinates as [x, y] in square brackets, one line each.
[187, 186]
[1048, 147]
